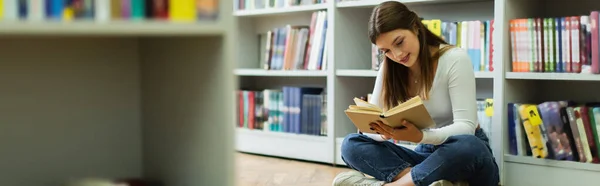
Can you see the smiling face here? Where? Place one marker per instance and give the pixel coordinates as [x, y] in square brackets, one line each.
[400, 45]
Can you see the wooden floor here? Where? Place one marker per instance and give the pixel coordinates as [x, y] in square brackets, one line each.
[256, 170]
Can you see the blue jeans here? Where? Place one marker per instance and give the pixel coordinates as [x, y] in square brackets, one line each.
[466, 158]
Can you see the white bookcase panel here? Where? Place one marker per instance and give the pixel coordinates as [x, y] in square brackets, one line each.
[524, 171]
[287, 145]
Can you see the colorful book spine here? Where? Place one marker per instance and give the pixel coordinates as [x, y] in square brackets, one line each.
[126, 9]
[102, 10]
[138, 9]
[555, 44]
[182, 10]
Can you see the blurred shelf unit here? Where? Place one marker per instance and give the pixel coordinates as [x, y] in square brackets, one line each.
[111, 17]
[118, 88]
[112, 28]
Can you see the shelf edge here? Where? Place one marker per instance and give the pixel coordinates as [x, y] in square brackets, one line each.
[552, 163]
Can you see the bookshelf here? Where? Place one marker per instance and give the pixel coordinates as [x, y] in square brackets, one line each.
[117, 99]
[536, 87]
[347, 74]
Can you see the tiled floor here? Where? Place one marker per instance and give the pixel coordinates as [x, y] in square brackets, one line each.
[255, 170]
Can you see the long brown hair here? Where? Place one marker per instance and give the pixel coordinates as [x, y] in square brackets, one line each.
[392, 15]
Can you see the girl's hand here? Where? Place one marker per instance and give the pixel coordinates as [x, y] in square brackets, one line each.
[406, 133]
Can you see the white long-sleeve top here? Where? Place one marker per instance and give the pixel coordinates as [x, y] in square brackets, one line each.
[452, 102]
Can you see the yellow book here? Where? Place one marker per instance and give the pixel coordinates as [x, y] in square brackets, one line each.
[182, 10]
[435, 25]
[413, 110]
[1, 10]
[532, 123]
[68, 14]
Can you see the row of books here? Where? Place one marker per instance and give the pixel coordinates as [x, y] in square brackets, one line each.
[264, 4]
[558, 130]
[105, 10]
[474, 36]
[555, 44]
[296, 47]
[299, 110]
[485, 112]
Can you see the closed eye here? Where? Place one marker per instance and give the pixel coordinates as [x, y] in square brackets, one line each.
[400, 43]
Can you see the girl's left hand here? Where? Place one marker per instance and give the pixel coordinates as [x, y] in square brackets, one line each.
[407, 133]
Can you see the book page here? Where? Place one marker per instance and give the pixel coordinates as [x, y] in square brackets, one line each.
[413, 102]
[362, 103]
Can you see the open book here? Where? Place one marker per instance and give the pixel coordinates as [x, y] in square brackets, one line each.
[413, 110]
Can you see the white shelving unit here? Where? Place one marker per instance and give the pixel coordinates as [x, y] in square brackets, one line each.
[117, 100]
[531, 87]
[348, 75]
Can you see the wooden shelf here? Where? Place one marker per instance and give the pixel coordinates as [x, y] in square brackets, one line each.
[281, 73]
[285, 10]
[288, 145]
[119, 28]
[552, 76]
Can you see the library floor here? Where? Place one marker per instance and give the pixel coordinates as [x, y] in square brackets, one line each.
[256, 170]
